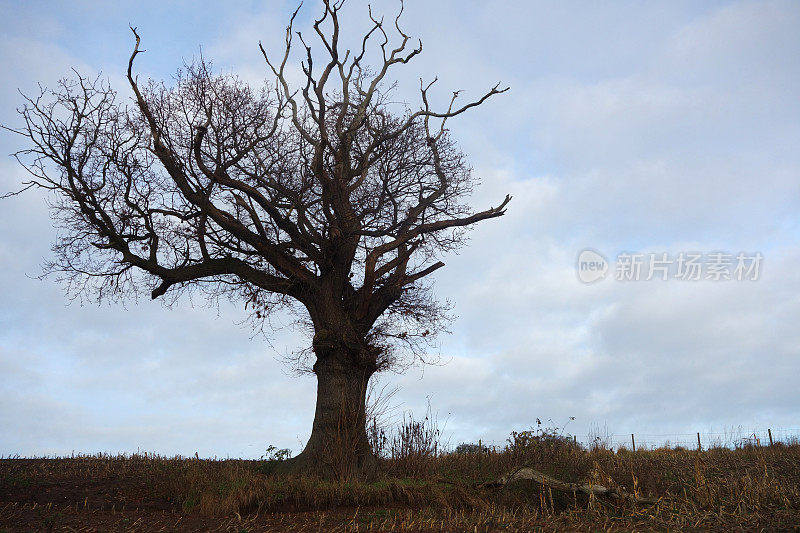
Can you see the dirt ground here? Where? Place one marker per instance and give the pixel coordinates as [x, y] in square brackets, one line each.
[122, 504]
[93, 495]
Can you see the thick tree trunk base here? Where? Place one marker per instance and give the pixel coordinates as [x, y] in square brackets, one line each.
[338, 447]
[364, 468]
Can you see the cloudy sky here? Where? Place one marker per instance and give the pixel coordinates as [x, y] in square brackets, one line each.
[631, 127]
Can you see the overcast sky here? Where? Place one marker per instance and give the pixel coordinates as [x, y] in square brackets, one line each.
[630, 127]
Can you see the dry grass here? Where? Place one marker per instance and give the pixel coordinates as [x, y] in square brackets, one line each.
[424, 490]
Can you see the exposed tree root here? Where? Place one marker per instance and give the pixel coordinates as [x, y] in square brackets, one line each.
[563, 486]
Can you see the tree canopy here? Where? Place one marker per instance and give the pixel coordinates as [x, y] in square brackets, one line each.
[323, 197]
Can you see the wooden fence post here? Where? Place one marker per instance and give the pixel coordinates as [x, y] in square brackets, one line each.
[769, 432]
[699, 446]
[633, 442]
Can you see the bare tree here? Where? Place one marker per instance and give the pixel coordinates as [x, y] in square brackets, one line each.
[322, 198]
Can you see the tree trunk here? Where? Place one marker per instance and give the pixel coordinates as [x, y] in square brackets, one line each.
[338, 447]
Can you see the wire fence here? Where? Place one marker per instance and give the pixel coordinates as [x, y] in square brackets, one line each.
[735, 438]
[731, 438]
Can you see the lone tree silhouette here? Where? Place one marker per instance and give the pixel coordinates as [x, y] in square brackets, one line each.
[327, 198]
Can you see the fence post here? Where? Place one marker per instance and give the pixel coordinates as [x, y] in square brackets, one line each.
[769, 432]
[633, 442]
[699, 446]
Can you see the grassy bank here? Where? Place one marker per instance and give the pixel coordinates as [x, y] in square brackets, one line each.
[422, 490]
